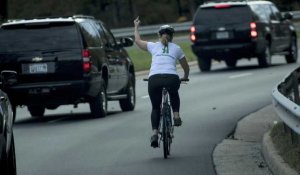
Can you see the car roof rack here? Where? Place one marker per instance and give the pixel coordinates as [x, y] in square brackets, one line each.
[38, 19]
[220, 1]
[83, 16]
[52, 17]
[46, 17]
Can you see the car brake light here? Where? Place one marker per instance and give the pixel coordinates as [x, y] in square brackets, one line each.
[86, 53]
[253, 32]
[253, 25]
[221, 6]
[193, 29]
[86, 61]
[193, 36]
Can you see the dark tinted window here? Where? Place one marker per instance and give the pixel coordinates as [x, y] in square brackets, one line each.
[91, 37]
[263, 11]
[276, 15]
[216, 16]
[109, 36]
[100, 31]
[39, 37]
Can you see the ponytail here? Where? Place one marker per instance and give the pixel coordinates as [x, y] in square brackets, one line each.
[164, 40]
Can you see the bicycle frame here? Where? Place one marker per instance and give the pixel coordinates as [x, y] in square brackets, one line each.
[167, 113]
[166, 127]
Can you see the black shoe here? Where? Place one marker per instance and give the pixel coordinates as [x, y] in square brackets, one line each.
[177, 121]
[154, 141]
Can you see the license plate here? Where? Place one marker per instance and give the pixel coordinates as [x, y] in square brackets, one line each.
[38, 68]
[222, 35]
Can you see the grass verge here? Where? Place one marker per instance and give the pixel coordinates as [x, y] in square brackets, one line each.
[290, 152]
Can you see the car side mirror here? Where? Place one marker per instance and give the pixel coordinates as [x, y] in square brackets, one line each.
[8, 78]
[126, 42]
[288, 15]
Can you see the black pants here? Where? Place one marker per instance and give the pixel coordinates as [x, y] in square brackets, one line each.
[155, 86]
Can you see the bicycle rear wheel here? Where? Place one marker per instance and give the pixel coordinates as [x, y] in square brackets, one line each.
[165, 138]
[166, 131]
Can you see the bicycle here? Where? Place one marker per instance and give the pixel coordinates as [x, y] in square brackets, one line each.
[166, 127]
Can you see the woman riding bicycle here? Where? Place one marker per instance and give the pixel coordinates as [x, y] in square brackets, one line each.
[163, 73]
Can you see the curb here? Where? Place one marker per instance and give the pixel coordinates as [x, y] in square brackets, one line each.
[273, 159]
[251, 149]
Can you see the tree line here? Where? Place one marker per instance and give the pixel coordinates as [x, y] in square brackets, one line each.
[115, 13]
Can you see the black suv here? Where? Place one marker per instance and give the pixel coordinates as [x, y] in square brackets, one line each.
[66, 60]
[233, 30]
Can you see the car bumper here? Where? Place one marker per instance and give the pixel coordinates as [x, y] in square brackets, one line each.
[221, 52]
[53, 93]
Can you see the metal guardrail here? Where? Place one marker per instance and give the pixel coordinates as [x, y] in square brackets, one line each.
[149, 30]
[296, 14]
[286, 100]
[179, 27]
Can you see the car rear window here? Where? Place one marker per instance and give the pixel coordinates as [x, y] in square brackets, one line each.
[52, 36]
[226, 15]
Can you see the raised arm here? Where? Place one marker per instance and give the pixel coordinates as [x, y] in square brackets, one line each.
[185, 66]
[137, 38]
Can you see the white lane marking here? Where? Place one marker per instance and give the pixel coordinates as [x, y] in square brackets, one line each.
[145, 96]
[240, 75]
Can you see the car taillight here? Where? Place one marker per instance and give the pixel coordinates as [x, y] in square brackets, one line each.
[253, 32]
[193, 36]
[253, 25]
[193, 29]
[86, 60]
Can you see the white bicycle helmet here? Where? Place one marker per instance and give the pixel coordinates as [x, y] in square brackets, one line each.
[166, 29]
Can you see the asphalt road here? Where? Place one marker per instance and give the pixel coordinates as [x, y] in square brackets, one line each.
[68, 142]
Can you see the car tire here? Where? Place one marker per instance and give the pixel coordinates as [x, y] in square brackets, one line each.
[36, 111]
[231, 62]
[264, 58]
[8, 161]
[204, 64]
[293, 51]
[98, 104]
[128, 104]
[11, 159]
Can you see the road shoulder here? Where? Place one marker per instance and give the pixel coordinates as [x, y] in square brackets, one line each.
[249, 150]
